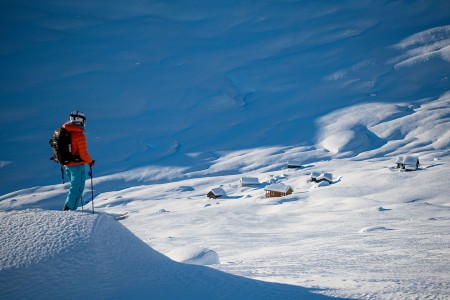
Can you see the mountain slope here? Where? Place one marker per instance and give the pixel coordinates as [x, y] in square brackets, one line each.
[49, 255]
[172, 83]
[182, 97]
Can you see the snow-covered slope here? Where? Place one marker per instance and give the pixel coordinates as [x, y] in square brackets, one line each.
[177, 83]
[57, 255]
[183, 97]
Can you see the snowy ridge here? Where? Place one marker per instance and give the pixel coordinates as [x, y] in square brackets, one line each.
[387, 128]
[424, 46]
[83, 256]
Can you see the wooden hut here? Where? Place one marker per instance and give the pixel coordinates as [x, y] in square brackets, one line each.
[407, 163]
[216, 193]
[248, 181]
[278, 190]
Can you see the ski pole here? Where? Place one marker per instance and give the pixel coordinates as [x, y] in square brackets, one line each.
[92, 188]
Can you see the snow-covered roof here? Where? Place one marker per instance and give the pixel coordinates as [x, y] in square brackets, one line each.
[326, 176]
[407, 160]
[218, 191]
[318, 176]
[410, 160]
[278, 187]
[315, 174]
[399, 160]
[249, 181]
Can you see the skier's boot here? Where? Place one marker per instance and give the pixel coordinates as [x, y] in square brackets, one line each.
[66, 208]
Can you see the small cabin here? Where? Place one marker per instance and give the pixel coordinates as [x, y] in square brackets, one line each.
[319, 177]
[216, 193]
[278, 190]
[248, 181]
[407, 163]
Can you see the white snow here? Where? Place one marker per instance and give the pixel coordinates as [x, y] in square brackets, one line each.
[70, 255]
[218, 192]
[321, 176]
[194, 255]
[183, 96]
[278, 187]
[425, 45]
[248, 181]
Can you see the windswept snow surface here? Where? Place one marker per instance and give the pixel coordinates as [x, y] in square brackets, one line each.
[178, 83]
[58, 255]
[185, 96]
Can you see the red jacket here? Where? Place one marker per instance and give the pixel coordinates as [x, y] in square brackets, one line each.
[79, 146]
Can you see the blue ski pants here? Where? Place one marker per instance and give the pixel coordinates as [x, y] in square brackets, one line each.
[77, 178]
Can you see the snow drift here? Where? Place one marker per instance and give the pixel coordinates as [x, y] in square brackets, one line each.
[194, 255]
[72, 255]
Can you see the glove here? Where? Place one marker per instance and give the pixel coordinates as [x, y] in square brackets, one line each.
[92, 163]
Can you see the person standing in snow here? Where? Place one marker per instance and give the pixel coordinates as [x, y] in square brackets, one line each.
[76, 171]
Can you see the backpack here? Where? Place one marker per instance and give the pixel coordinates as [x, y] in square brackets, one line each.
[62, 147]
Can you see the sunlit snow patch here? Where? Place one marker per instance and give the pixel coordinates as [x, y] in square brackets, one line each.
[194, 255]
[4, 163]
[423, 46]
